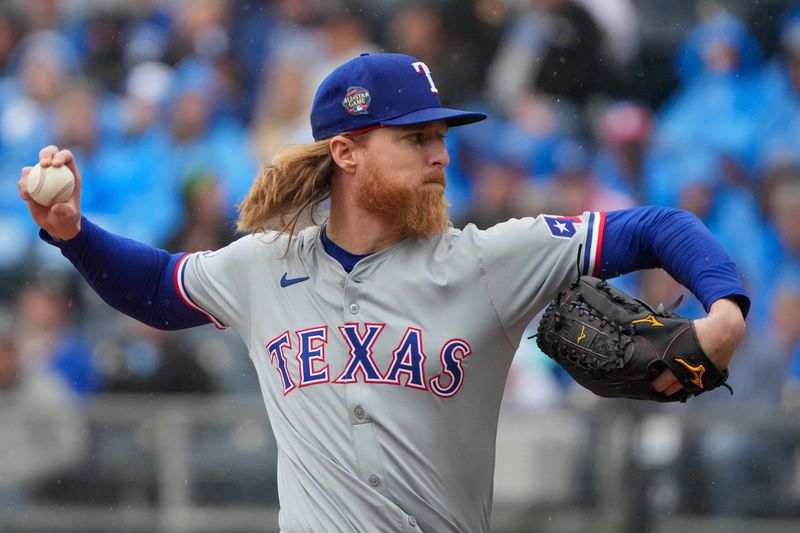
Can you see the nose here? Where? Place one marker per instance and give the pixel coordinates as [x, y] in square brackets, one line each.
[440, 157]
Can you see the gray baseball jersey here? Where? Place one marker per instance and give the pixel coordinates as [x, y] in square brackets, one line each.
[383, 385]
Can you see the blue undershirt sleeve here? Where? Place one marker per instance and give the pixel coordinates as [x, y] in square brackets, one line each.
[678, 242]
[130, 276]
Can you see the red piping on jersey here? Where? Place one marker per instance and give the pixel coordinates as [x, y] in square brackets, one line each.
[185, 299]
[600, 226]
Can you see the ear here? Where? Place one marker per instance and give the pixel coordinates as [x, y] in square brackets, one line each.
[343, 151]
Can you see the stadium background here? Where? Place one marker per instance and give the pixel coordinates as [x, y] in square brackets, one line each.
[170, 107]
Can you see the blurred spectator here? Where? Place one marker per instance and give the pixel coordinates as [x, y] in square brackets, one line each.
[764, 366]
[199, 139]
[139, 144]
[282, 111]
[624, 133]
[144, 99]
[575, 187]
[618, 21]
[344, 35]
[778, 251]
[250, 45]
[44, 15]
[11, 31]
[438, 34]
[42, 64]
[43, 431]
[552, 46]
[147, 36]
[206, 223]
[270, 36]
[49, 339]
[284, 99]
[103, 49]
[198, 30]
[538, 128]
[715, 112]
[779, 131]
[146, 359]
[527, 142]
[498, 185]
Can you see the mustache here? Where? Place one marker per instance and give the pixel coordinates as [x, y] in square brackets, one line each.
[437, 176]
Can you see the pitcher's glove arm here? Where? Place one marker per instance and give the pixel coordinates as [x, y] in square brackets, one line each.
[615, 345]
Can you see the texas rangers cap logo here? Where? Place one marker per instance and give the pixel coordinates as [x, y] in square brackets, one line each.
[561, 227]
[356, 101]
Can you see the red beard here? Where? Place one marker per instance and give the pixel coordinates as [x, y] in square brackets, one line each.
[419, 211]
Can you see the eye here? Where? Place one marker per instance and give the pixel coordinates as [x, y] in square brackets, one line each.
[416, 138]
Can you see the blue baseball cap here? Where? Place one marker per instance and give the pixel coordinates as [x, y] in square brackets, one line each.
[380, 89]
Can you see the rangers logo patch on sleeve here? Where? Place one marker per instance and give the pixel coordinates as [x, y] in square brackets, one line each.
[561, 227]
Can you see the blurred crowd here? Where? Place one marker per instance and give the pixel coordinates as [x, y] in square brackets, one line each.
[172, 106]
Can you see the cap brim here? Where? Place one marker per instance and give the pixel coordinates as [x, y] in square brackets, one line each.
[453, 117]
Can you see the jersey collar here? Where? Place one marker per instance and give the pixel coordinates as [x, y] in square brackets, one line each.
[346, 259]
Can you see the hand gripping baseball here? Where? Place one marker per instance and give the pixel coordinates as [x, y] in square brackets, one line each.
[61, 220]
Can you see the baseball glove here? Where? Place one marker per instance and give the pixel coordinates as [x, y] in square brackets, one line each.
[614, 345]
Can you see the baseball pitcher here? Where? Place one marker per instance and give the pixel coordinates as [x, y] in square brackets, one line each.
[383, 336]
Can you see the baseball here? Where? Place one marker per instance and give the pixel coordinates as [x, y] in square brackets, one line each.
[50, 185]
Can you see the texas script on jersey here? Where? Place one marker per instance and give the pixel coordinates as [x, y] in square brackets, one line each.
[408, 359]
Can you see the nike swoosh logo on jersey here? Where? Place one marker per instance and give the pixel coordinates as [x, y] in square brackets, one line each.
[285, 282]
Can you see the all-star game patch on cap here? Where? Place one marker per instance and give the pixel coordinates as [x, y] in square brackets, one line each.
[380, 89]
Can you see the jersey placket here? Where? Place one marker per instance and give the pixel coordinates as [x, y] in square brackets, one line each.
[357, 395]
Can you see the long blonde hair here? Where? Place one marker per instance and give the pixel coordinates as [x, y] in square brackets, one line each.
[290, 190]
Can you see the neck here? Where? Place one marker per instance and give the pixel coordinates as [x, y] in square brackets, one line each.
[354, 229]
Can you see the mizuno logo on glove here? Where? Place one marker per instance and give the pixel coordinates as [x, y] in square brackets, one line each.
[582, 334]
[649, 319]
[697, 371]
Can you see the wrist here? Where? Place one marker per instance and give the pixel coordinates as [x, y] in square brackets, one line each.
[72, 233]
[68, 231]
[720, 332]
[727, 314]
[62, 235]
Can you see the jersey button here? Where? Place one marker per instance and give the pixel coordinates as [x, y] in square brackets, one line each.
[359, 412]
[412, 521]
[374, 480]
[354, 308]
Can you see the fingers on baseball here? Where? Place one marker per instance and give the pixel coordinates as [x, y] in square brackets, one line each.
[22, 184]
[62, 157]
[46, 155]
[65, 157]
[52, 155]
